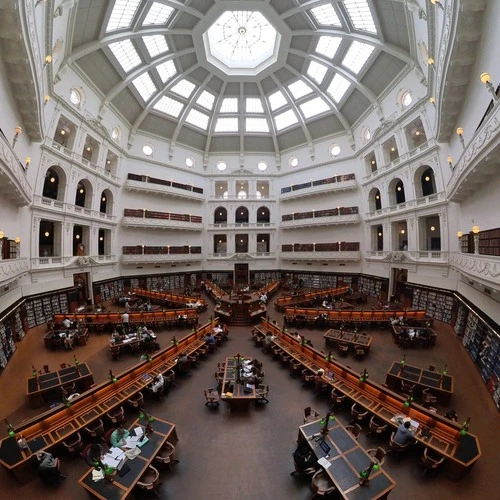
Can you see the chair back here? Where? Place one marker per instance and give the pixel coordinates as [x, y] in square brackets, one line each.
[107, 436]
[96, 428]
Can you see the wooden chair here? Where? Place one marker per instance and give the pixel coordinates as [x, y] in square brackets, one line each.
[295, 366]
[428, 398]
[336, 397]
[212, 397]
[310, 415]
[149, 481]
[307, 376]
[321, 484]
[355, 430]
[377, 427]
[116, 416]
[166, 455]
[398, 448]
[73, 444]
[430, 460]
[343, 349]
[115, 351]
[377, 455]
[95, 429]
[360, 353]
[261, 392]
[107, 437]
[358, 413]
[136, 401]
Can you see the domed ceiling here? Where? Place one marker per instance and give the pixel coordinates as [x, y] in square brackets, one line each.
[235, 76]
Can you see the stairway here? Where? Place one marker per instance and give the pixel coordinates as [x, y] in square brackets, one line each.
[240, 318]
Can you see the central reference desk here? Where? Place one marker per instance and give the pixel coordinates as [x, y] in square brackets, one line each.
[347, 459]
[120, 487]
[235, 390]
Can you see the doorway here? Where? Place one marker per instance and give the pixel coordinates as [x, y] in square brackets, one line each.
[399, 279]
[81, 283]
[241, 274]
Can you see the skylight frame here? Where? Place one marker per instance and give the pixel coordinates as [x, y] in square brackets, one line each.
[157, 14]
[314, 107]
[326, 15]
[169, 106]
[197, 119]
[328, 46]
[254, 124]
[338, 87]
[145, 86]
[282, 121]
[361, 16]
[155, 44]
[206, 100]
[126, 54]
[299, 89]
[254, 105]
[184, 88]
[357, 55]
[317, 71]
[166, 70]
[122, 14]
[226, 125]
[276, 100]
[229, 105]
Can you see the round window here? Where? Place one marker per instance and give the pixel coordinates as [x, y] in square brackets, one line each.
[406, 99]
[115, 133]
[222, 166]
[189, 162]
[147, 150]
[335, 150]
[262, 166]
[294, 161]
[75, 97]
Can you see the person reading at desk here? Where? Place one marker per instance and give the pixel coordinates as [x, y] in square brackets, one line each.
[68, 341]
[48, 466]
[158, 384]
[404, 434]
[119, 437]
[67, 323]
[94, 453]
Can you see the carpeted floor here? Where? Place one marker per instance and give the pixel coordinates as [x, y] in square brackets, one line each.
[226, 455]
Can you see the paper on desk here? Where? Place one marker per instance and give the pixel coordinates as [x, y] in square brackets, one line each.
[324, 462]
[139, 431]
[115, 453]
[131, 442]
[109, 461]
[97, 475]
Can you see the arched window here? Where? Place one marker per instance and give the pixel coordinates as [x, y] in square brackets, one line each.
[83, 195]
[106, 202]
[241, 215]
[400, 192]
[374, 200]
[428, 182]
[51, 184]
[263, 215]
[220, 215]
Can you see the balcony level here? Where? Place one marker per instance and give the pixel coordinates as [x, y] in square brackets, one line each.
[162, 187]
[70, 261]
[142, 254]
[341, 215]
[408, 256]
[247, 226]
[484, 269]
[12, 269]
[343, 251]
[161, 220]
[242, 256]
[319, 187]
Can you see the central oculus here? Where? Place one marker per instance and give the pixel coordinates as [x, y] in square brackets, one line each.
[241, 40]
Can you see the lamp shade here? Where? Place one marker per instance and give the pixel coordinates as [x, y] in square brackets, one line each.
[450, 159]
[460, 234]
[460, 131]
[17, 239]
[1, 235]
[485, 77]
[475, 229]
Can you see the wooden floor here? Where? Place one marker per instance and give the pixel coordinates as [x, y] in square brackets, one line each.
[248, 455]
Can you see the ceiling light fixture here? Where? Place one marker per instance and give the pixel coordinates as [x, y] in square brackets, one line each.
[17, 133]
[459, 234]
[438, 3]
[486, 79]
[460, 133]
[450, 161]
[28, 161]
[433, 228]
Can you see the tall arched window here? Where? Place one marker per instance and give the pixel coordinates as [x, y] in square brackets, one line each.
[220, 215]
[263, 215]
[241, 215]
[400, 192]
[428, 182]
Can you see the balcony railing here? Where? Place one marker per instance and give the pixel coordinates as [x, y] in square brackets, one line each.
[165, 220]
[436, 256]
[60, 206]
[313, 188]
[482, 268]
[235, 197]
[241, 225]
[241, 256]
[321, 256]
[14, 185]
[136, 182]
[12, 269]
[432, 199]
[56, 261]
[343, 215]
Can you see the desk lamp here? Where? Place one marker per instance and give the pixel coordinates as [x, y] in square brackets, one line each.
[329, 356]
[364, 475]
[465, 427]
[10, 429]
[364, 375]
[324, 422]
[112, 377]
[174, 341]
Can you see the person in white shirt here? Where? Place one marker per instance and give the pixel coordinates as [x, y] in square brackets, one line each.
[67, 323]
[157, 384]
[125, 317]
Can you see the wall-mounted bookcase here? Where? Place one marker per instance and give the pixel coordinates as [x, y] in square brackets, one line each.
[40, 308]
[439, 304]
[374, 287]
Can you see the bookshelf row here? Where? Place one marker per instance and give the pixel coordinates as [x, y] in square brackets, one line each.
[41, 308]
[438, 304]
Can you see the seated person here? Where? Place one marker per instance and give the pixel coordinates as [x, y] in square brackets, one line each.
[158, 384]
[68, 341]
[182, 365]
[118, 437]
[94, 453]
[451, 415]
[116, 338]
[49, 467]
[147, 306]
[404, 434]
[210, 339]
[257, 364]
[67, 323]
[303, 457]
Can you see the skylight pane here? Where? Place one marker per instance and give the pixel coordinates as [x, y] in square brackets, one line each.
[285, 119]
[357, 55]
[256, 125]
[316, 71]
[155, 44]
[169, 106]
[299, 89]
[144, 86]
[125, 54]
[338, 87]
[158, 14]
[328, 45]
[206, 100]
[253, 105]
[360, 15]
[326, 15]
[276, 100]
[314, 107]
[166, 70]
[226, 125]
[198, 119]
[122, 14]
[184, 88]
[229, 105]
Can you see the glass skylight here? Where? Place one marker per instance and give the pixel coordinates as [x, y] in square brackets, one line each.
[184, 88]
[155, 44]
[166, 70]
[328, 45]
[169, 106]
[357, 55]
[326, 15]
[314, 107]
[338, 87]
[206, 100]
[256, 125]
[285, 119]
[198, 119]
[276, 100]
[253, 105]
[299, 89]
[158, 14]
[226, 125]
[241, 39]
[122, 14]
[317, 71]
[144, 86]
[125, 54]
[360, 14]
[229, 105]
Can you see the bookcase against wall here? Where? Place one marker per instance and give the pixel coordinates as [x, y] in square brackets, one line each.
[439, 304]
[489, 242]
[7, 345]
[40, 308]
[372, 286]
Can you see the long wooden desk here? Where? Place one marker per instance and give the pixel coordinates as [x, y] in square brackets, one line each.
[121, 487]
[169, 317]
[53, 426]
[443, 435]
[411, 336]
[161, 297]
[335, 318]
[439, 384]
[55, 338]
[233, 392]
[304, 298]
[347, 459]
[351, 339]
[48, 386]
